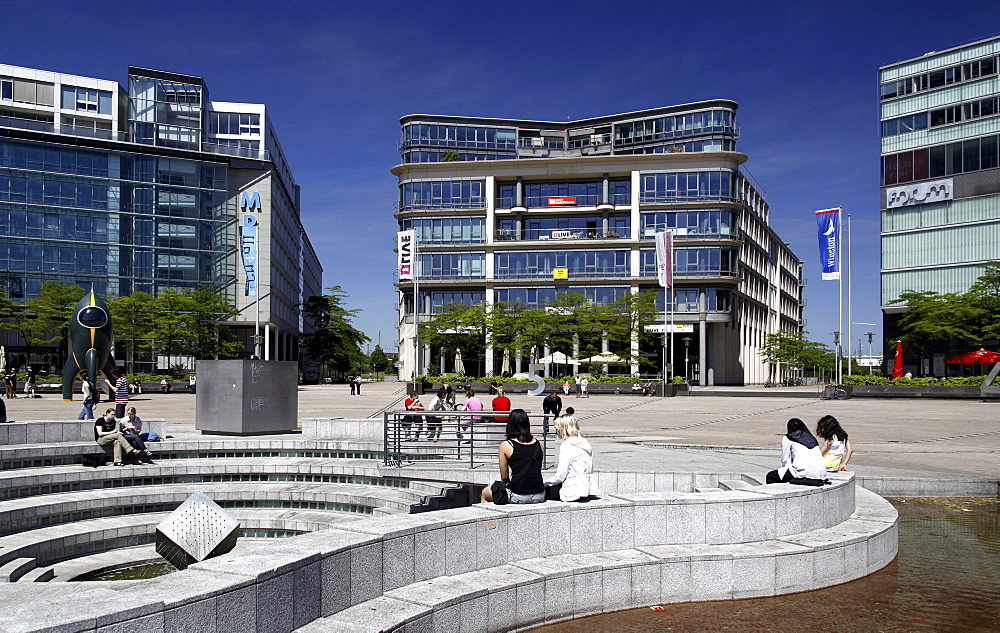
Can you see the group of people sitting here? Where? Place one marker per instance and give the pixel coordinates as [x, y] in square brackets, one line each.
[804, 460]
[444, 400]
[520, 458]
[125, 435]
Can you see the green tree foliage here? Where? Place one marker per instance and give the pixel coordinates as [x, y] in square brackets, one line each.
[9, 310]
[379, 361]
[986, 293]
[932, 319]
[458, 327]
[794, 349]
[334, 342]
[133, 318]
[44, 319]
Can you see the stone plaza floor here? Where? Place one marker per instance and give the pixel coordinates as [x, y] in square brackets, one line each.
[890, 437]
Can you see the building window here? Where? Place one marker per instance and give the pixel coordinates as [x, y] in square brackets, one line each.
[941, 160]
[708, 261]
[587, 194]
[444, 194]
[468, 298]
[686, 299]
[579, 263]
[940, 78]
[7, 90]
[233, 123]
[447, 230]
[86, 100]
[537, 298]
[703, 223]
[451, 265]
[684, 186]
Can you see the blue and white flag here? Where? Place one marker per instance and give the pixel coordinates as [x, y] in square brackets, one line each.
[248, 248]
[828, 230]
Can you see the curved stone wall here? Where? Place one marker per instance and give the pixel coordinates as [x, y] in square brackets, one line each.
[463, 569]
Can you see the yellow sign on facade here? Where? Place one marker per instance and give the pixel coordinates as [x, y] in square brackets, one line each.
[560, 273]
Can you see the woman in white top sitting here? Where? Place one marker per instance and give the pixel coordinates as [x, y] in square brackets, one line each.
[801, 459]
[836, 448]
[576, 463]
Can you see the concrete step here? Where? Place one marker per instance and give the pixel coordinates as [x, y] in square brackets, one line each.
[734, 484]
[38, 574]
[15, 568]
[709, 489]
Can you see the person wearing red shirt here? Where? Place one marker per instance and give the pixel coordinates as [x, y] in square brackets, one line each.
[501, 403]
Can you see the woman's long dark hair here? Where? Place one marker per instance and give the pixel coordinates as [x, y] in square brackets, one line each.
[828, 428]
[518, 426]
[797, 432]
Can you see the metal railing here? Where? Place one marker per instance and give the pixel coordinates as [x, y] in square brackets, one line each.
[463, 438]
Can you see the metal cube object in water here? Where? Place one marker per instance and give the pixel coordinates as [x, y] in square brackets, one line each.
[196, 530]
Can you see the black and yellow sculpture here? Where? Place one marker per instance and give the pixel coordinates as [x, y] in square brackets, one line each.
[90, 337]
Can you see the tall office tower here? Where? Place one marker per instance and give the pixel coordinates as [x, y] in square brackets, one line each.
[499, 204]
[145, 189]
[940, 116]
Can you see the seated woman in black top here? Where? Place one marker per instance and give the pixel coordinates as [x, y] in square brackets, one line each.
[520, 457]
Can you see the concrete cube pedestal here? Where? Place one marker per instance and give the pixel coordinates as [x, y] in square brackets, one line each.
[247, 397]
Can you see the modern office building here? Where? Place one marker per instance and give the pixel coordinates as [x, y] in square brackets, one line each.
[940, 125]
[145, 188]
[498, 204]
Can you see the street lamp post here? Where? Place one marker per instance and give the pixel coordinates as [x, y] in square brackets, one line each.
[687, 342]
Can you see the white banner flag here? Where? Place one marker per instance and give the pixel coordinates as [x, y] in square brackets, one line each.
[405, 265]
[665, 259]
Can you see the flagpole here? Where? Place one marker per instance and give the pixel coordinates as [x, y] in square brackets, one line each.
[840, 305]
[850, 295]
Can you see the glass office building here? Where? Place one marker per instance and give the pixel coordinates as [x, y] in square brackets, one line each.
[498, 204]
[142, 190]
[940, 130]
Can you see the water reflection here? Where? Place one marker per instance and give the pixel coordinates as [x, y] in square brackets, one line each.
[140, 571]
[945, 578]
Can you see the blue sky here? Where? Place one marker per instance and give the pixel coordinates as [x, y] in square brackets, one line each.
[336, 77]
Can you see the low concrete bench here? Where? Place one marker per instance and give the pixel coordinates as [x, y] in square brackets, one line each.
[55, 431]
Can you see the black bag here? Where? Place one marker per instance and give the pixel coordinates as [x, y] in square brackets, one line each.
[500, 496]
[806, 481]
[93, 461]
[552, 492]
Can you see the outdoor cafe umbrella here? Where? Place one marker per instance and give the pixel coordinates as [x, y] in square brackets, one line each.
[459, 365]
[556, 358]
[604, 357]
[980, 356]
[897, 363]
[3, 359]
[505, 367]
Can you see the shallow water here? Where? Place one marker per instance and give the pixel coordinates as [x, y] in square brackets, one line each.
[133, 572]
[945, 578]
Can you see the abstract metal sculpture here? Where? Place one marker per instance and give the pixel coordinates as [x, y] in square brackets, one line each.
[90, 336]
[196, 530]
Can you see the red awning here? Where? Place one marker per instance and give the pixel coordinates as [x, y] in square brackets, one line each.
[981, 356]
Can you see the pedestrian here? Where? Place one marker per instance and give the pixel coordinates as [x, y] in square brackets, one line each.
[413, 403]
[552, 404]
[583, 387]
[120, 389]
[576, 385]
[494, 385]
[29, 383]
[192, 383]
[10, 383]
[354, 386]
[357, 383]
[87, 412]
[165, 385]
[472, 403]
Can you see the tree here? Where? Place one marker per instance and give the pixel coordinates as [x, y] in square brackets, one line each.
[794, 349]
[133, 318]
[932, 320]
[211, 339]
[8, 311]
[44, 319]
[379, 361]
[334, 341]
[456, 327]
[985, 293]
[184, 322]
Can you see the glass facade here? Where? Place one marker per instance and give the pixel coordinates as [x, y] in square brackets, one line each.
[539, 297]
[686, 224]
[165, 113]
[686, 299]
[686, 186]
[443, 194]
[941, 160]
[451, 265]
[121, 221]
[702, 261]
[580, 263]
[447, 230]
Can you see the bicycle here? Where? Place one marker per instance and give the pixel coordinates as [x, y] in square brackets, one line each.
[768, 383]
[834, 393]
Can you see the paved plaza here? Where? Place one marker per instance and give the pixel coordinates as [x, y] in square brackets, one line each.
[891, 437]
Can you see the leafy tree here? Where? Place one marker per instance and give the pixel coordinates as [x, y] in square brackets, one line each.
[933, 319]
[457, 326]
[451, 157]
[44, 319]
[626, 316]
[379, 361]
[209, 337]
[985, 292]
[8, 311]
[133, 318]
[334, 341]
[185, 322]
[794, 349]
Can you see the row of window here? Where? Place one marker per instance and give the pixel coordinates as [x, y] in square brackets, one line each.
[695, 261]
[668, 127]
[438, 157]
[655, 187]
[683, 299]
[233, 123]
[969, 71]
[978, 109]
[163, 91]
[23, 222]
[459, 136]
[28, 286]
[702, 223]
[706, 145]
[941, 160]
[86, 195]
[138, 167]
[86, 100]
[27, 91]
[43, 257]
[686, 186]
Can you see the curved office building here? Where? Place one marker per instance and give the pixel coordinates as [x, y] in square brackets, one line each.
[498, 204]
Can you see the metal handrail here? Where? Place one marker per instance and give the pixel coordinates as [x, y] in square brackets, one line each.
[476, 447]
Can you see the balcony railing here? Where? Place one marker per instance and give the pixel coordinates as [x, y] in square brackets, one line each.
[728, 130]
[506, 235]
[587, 200]
[450, 143]
[242, 152]
[588, 273]
[26, 124]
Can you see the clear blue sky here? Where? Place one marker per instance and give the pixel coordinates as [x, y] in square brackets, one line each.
[336, 77]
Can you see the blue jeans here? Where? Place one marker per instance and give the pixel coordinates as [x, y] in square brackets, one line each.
[87, 412]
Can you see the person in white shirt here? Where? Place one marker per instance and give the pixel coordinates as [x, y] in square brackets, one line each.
[801, 459]
[575, 472]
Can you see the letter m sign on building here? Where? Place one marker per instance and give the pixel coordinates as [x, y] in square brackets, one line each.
[248, 240]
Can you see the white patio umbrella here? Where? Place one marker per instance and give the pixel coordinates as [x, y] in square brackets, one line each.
[459, 365]
[3, 358]
[557, 358]
[505, 366]
[604, 357]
